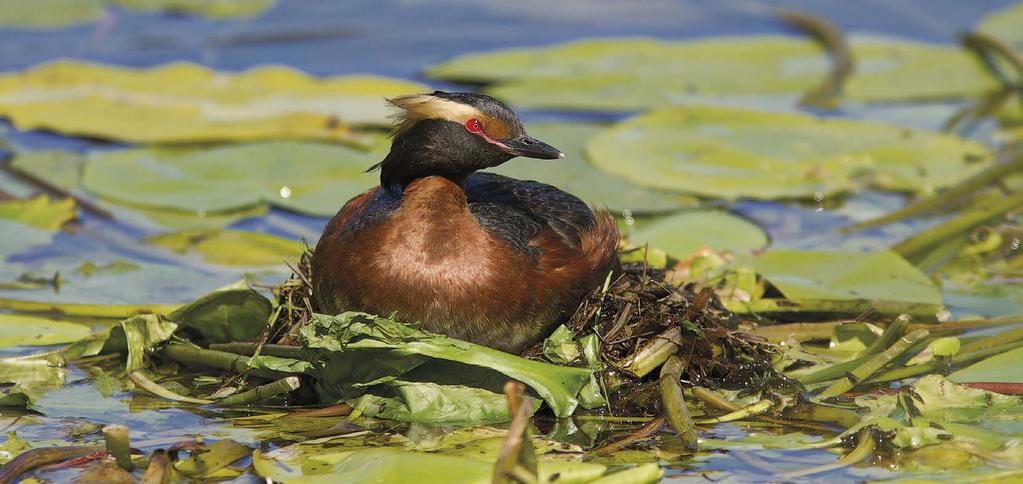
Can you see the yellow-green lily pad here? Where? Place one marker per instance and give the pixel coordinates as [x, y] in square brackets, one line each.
[882, 276]
[49, 14]
[231, 247]
[306, 177]
[639, 73]
[16, 330]
[219, 9]
[40, 211]
[733, 153]
[574, 175]
[183, 102]
[683, 233]
[1005, 24]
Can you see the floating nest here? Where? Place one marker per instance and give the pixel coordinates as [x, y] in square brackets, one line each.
[636, 310]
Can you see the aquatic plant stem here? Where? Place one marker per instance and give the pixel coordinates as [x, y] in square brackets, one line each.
[118, 445]
[673, 403]
[838, 370]
[220, 360]
[262, 392]
[516, 459]
[249, 349]
[836, 308]
[828, 94]
[150, 386]
[977, 182]
[655, 352]
[865, 447]
[748, 411]
[156, 471]
[962, 359]
[916, 247]
[874, 363]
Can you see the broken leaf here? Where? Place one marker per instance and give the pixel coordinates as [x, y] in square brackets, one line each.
[225, 316]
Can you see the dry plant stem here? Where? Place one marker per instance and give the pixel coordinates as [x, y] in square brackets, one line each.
[655, 352]
[516, 460]
[864, 450]
[262, 392]
[642, 433]
[673, 404]
[874, 363]
[152, 387]
[219, 360]
[118, 445]
[156, 472]
[914, 248]
[33, 458]
[828, 94]
[986, 178]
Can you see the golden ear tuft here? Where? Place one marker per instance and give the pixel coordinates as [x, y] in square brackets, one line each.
[417, 107]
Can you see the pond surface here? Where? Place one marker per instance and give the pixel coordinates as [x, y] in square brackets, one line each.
[401, 38]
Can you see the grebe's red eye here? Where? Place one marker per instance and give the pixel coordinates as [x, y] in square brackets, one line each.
[474, 126]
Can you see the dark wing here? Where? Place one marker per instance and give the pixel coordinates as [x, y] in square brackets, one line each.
[512, 208]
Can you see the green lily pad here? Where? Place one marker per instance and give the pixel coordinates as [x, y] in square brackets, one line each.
[184, 102]
[306, 177]
[631, 74]
[883, 275]
[732, 153]
[41, 212]
[49, 14]
[231, 247]
[1004, 368]
[18, 330]
[683, 233]
[63, 169]
[574, 175]
[219, 9]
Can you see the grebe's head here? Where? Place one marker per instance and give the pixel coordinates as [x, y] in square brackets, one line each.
[453, 135]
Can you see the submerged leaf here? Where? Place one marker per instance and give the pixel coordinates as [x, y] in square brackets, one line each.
[231, 247]
[185, 102]
[731, 153]
[40, 211]
[306, 177]
[426, 402]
